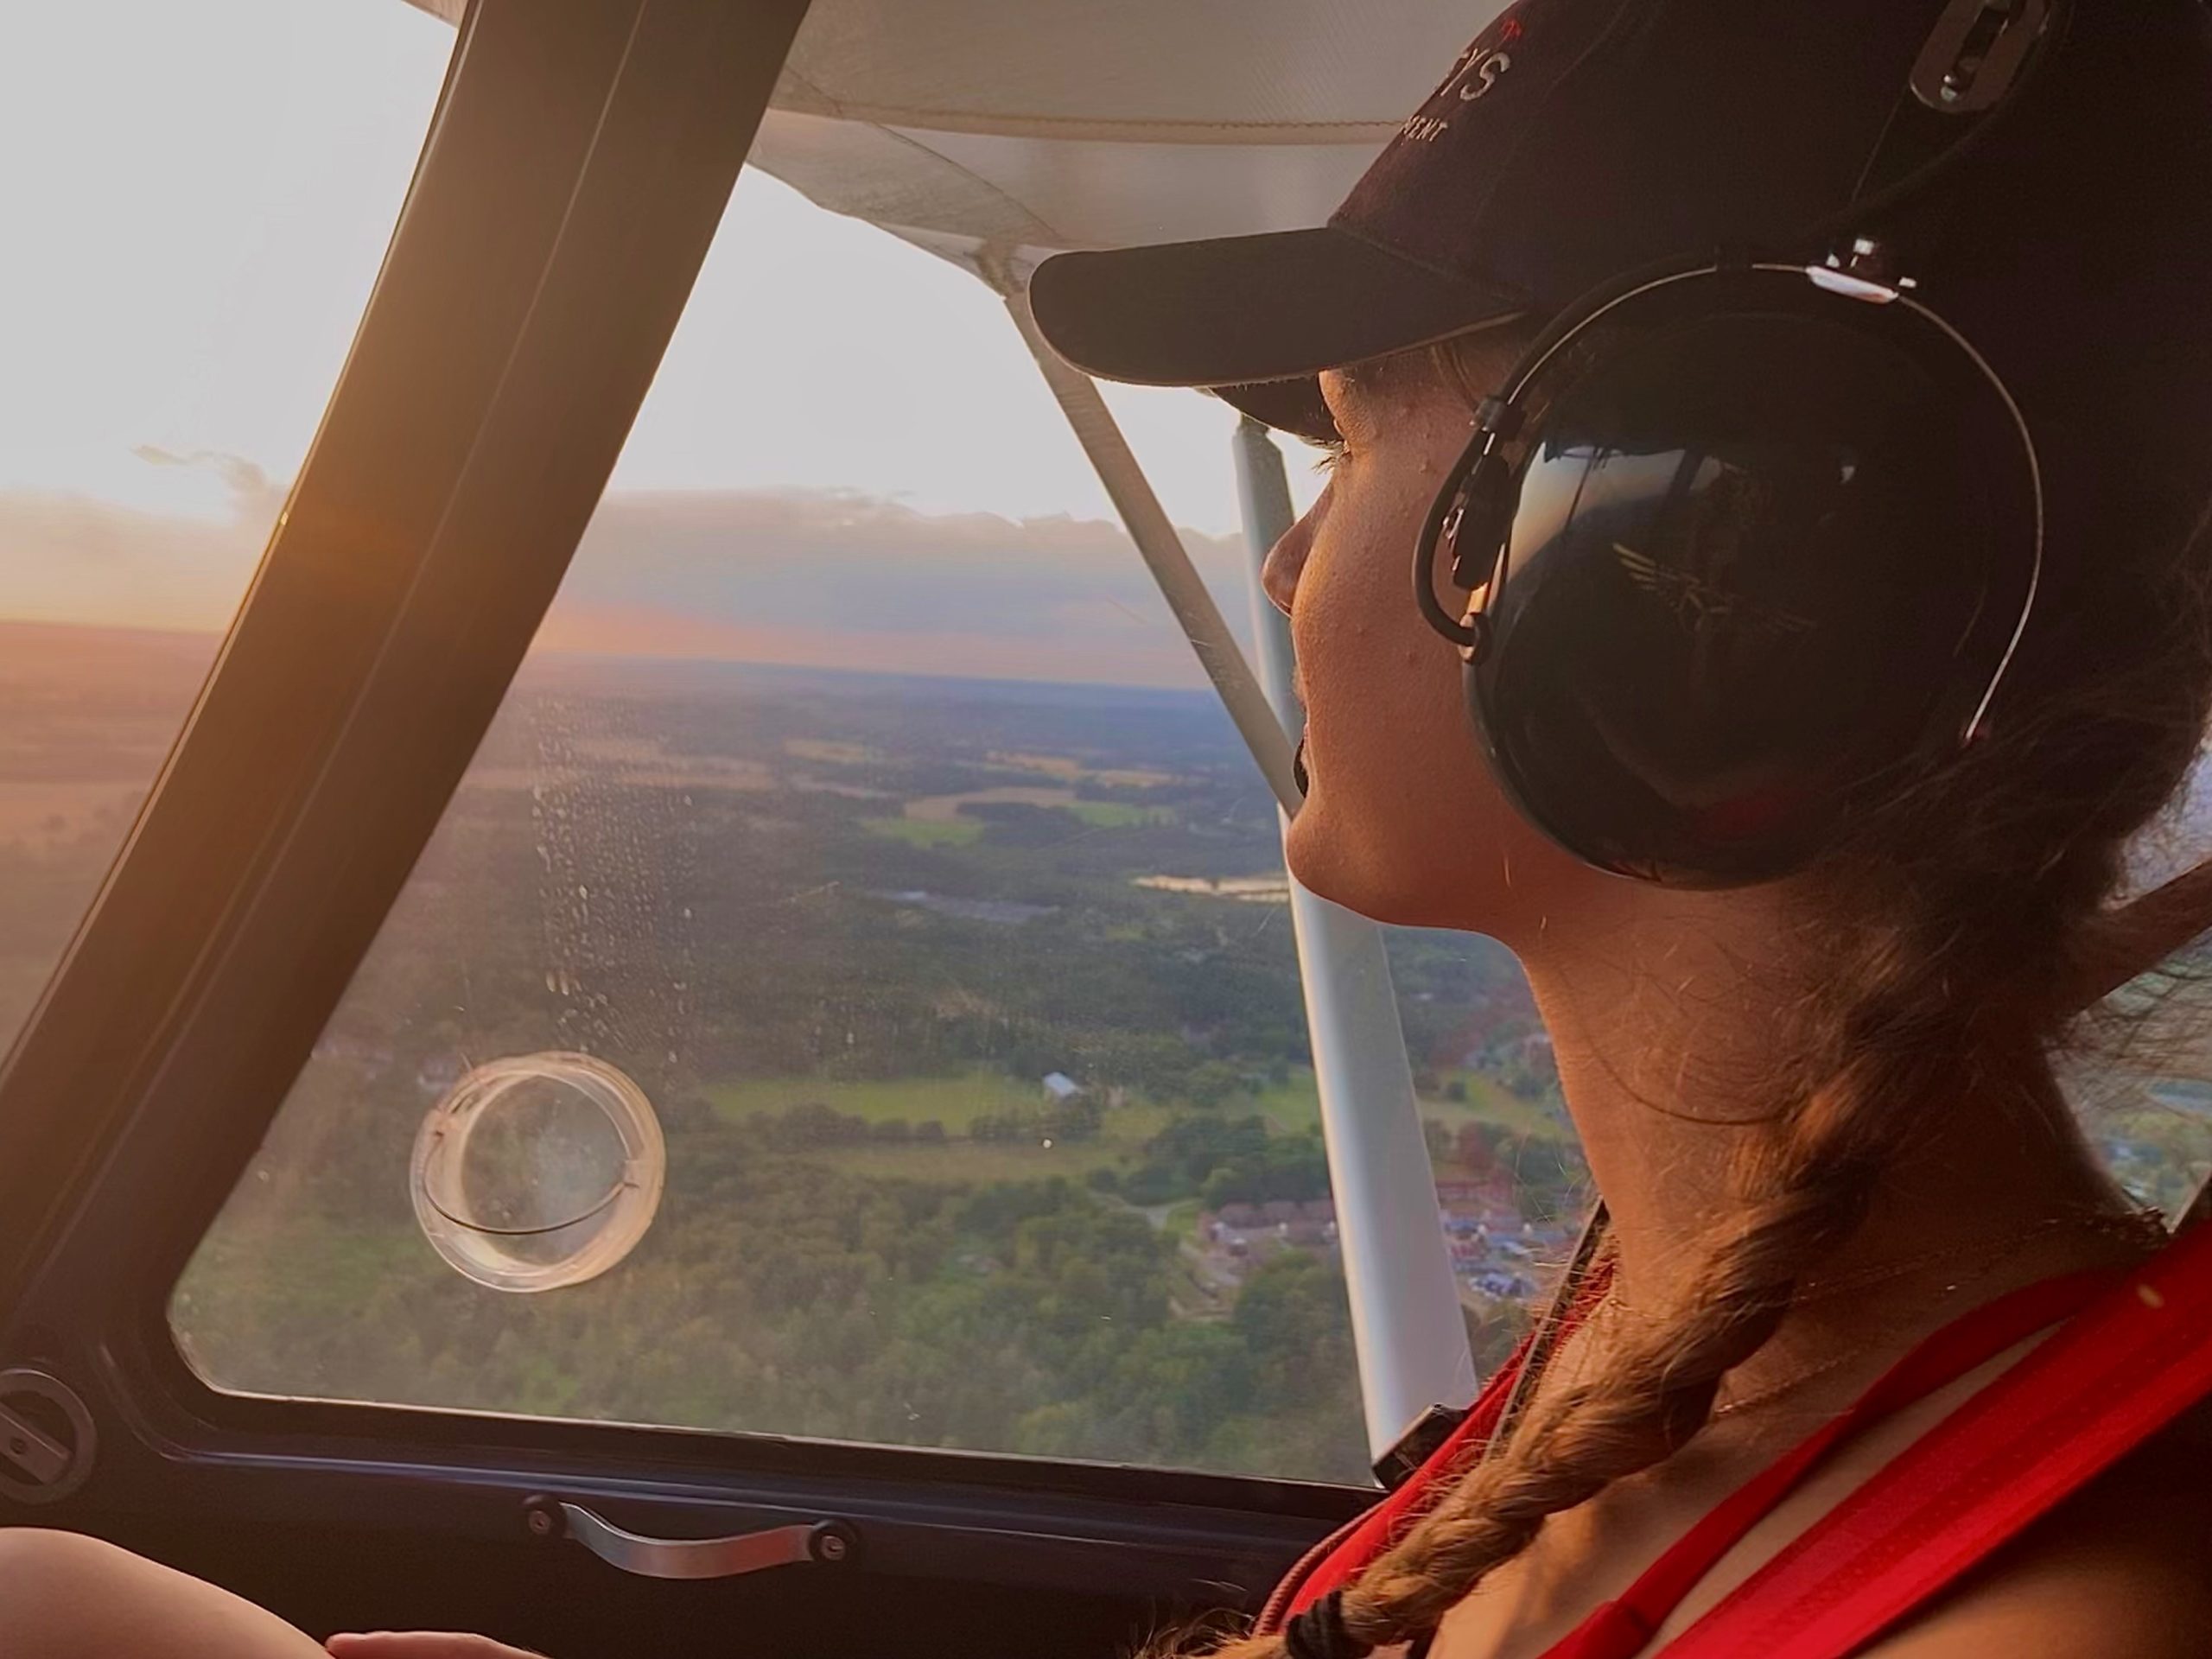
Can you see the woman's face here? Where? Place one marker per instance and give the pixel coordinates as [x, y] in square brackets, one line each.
[1401, 821]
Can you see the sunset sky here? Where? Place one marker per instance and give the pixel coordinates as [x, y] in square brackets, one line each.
[196, 198]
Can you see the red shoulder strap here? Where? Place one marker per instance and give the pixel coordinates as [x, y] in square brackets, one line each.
[2123, 1368]
[1624, 1627]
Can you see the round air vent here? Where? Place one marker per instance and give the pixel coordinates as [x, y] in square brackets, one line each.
[539, 1171]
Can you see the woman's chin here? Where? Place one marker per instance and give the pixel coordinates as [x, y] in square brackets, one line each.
[1334, 861]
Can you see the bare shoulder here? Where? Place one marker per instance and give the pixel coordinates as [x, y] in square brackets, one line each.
[2124, 1571]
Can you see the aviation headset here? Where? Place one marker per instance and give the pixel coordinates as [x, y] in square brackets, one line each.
[1749, 541]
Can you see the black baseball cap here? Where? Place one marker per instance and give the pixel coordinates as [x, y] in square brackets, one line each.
[1573, 142]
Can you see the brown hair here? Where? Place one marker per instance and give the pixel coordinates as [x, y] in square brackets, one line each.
[1955, 920]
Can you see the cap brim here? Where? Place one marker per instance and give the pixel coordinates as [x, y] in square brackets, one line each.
[1293, 406]
[1242, 312]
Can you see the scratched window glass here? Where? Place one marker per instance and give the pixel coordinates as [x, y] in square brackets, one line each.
[197, 201]
[2139, 1070]
[852, 991]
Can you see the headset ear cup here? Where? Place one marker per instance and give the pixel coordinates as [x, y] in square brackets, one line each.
[1757, 565]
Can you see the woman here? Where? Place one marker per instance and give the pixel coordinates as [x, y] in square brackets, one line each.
[1840, 858]
[1874, 773]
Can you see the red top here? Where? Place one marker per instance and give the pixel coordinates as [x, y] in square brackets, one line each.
[2135, 1353]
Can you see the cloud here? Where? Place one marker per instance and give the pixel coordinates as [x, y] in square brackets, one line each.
[70, 558]
[251, 490]
[839, 580]
[821, 578]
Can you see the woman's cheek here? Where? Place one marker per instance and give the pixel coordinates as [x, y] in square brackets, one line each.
[1357, 842]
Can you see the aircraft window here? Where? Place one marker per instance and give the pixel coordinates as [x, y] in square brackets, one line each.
[861, 801]
[203, 196]
[860, 838]
[2139, 1075]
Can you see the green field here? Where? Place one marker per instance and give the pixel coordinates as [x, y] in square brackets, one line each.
[1118, 1143]
[1490, 1101]
[1118, 815]
[1291, 1106]
[972, 1162]
[927, 832]
[955, 1101]
[1297, 1105]
[958, 1101]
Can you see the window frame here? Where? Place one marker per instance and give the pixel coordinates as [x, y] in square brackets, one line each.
[530, 288]
[575, 172]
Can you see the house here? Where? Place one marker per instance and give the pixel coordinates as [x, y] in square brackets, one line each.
[1514, 1286]
[1061, 1088]
[1533, 1048]
[1465, 1197]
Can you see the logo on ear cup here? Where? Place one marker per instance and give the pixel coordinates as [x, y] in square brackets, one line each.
[1699, 605]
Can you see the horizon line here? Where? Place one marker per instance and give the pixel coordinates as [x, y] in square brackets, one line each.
[213, 637]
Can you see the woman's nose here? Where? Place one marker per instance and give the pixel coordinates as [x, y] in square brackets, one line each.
[1279, 573]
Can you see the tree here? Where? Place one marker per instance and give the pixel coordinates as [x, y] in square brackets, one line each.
[1212, 1083]
[1475, 1149]
[1296, 1321]
[1079, 1117]
[1179, 1384]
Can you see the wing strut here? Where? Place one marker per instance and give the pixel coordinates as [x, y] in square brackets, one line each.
[1164, 554]
[1406, 1327]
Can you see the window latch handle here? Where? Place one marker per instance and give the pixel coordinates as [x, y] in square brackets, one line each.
[833, 1543]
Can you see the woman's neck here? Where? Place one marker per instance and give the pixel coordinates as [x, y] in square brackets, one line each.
[1669, 1022]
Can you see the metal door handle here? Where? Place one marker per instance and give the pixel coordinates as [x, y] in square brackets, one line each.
[831, 1543]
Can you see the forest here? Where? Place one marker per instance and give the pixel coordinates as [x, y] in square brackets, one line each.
[840, 931]
[970, 1013]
